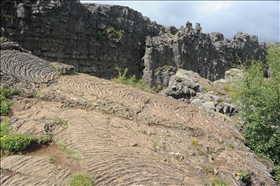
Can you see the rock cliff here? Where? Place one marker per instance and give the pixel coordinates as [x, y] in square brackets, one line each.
[91, 37]
[209, 55]
[95, 38]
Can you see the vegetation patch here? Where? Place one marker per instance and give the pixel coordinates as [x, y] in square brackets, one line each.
[131, 81]
[81, 179]
[114, 33]
[70, 153]
[258, 96]
[197, 148]
[13, 142]
[215, 181]
[243, 177]
[63, 123]
[6, 93]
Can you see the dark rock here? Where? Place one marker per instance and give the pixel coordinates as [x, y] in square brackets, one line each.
[6, 44]
[64, 69]
[94, 38]
[226, 108]
[209, 55]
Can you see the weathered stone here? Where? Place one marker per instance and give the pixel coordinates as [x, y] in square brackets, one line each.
[95, 38]
[233, 73]
[86, 36]
[197, 102]
[181, 86]
[210, 55]
[209, 106]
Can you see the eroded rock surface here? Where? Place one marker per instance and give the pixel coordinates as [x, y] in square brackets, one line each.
[124, 136]
[209, 55]
[190, 87]
[95, 38]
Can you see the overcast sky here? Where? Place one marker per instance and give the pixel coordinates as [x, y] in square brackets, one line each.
[260, 18]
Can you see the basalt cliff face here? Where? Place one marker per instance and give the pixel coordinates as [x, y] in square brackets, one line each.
[95, 38]
[209, 55]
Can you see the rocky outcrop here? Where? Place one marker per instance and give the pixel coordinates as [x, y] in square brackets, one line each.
[22, 70]
[182, 87]
[209, 55]
[191, 88]
[93, 38]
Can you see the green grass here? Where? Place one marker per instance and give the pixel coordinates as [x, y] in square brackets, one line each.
[8, 16]
[81, 179]
[70, 153]
[130, 81]
[231, 146]
[114, 33]
[215, 181]
[196, 146]
[276, 173]
[155, 142]
[62, 122]
[4, 103]
[50, 160]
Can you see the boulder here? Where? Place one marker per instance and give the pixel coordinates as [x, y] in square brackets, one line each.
[226, 108]
[181, 86]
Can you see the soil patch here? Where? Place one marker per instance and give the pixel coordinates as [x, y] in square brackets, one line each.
[56, 156]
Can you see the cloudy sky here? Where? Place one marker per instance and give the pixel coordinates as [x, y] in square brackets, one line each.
[260, 18]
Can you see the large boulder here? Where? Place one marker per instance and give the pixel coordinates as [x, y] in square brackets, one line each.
[181, 86]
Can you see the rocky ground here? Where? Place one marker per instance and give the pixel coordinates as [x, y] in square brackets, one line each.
[118, 134]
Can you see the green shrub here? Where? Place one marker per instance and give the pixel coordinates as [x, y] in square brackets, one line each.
[114, 33]
[15, 142]
[4, 108]
[259, 98]
[12, 141]
[81, 179]
[276, 173]
[4, 128]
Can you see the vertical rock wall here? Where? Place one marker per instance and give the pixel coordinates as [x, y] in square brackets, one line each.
[95, 38]
[209, 55]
